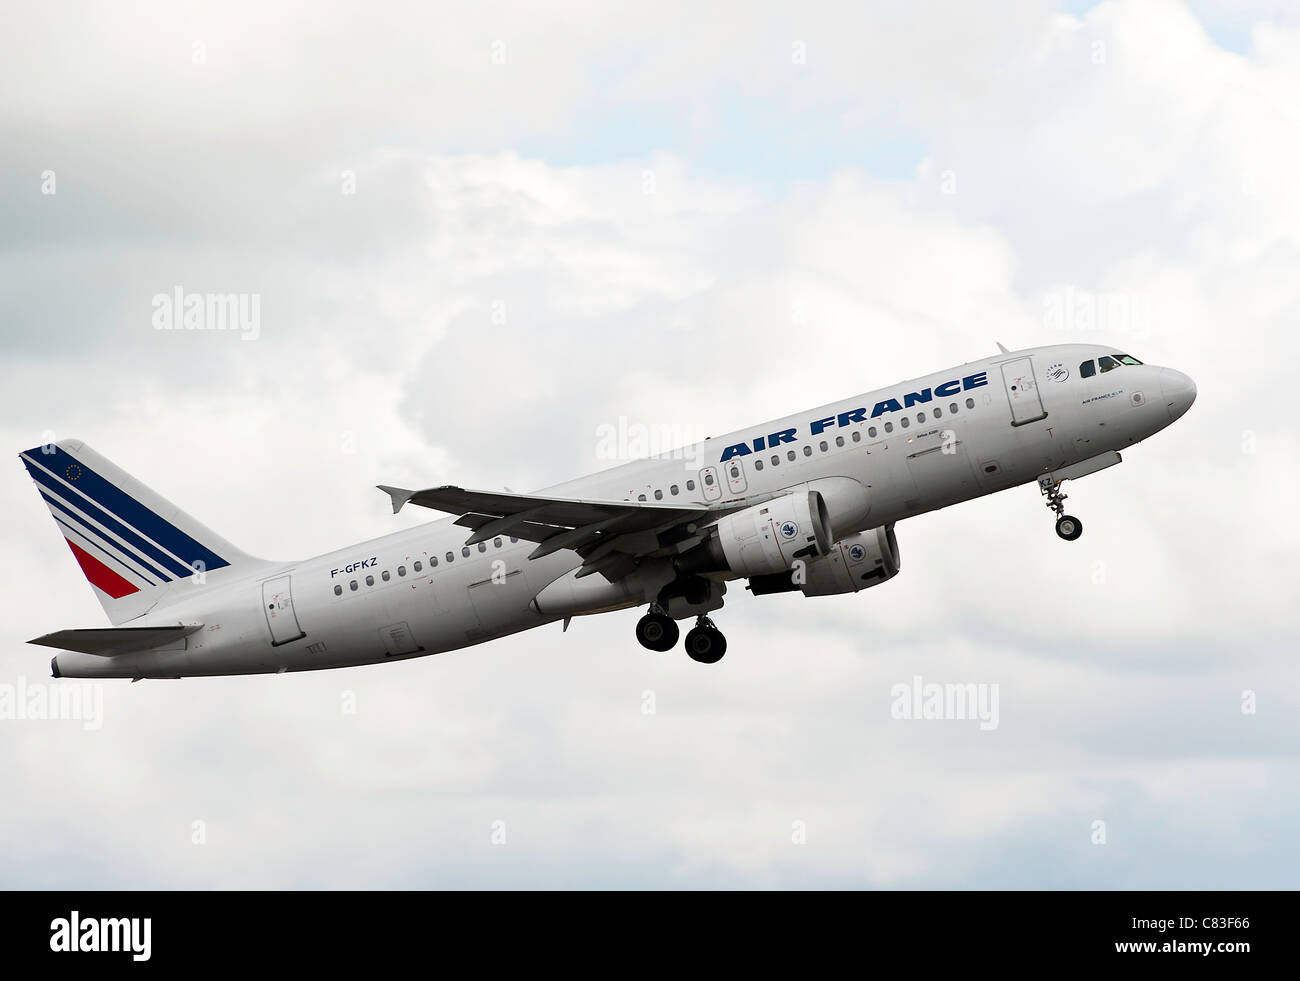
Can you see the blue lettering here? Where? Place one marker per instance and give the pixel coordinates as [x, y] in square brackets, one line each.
[857, 415]
[889, 405]
[740, 449]
[948, 389]
[784, 436]
[911, 398]
[975, 381]
[820, 425]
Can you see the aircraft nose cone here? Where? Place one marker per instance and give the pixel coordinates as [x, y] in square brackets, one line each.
[1178, 390]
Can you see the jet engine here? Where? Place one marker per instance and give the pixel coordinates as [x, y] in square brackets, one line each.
[854, 563]
[765, 538]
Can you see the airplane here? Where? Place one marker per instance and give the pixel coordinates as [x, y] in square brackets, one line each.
[808, 502]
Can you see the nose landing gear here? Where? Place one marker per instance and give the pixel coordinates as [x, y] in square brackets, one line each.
[1067, 525]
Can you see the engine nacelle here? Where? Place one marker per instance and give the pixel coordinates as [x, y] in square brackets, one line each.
[765, 538]
[854, 563]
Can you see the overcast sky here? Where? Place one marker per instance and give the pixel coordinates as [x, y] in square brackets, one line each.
[478, 235]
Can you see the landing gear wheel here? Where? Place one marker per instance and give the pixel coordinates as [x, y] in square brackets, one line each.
[705, 642]
[1069, 527]
[657, 631]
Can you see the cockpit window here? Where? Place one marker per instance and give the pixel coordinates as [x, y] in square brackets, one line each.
[1107, 363]
[1087, 369]
[1126, 359]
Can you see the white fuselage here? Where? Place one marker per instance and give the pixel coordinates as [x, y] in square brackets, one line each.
[366, 603]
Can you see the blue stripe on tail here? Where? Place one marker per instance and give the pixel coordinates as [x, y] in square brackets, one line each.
[90, 485]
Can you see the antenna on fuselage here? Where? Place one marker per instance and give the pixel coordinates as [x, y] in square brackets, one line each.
[1001, 348]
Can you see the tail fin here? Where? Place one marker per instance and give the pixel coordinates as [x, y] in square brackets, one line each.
[133, 546]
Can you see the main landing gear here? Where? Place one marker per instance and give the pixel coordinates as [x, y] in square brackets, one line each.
[1067, 525]
[657, 631]
[705, 643]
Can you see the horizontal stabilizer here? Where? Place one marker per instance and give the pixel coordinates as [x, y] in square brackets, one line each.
[107, 641]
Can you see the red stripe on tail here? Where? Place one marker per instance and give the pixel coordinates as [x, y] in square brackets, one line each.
[100, 575]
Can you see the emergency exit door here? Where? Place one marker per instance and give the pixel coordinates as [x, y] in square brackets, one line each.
[1022, 392]
[277, 602]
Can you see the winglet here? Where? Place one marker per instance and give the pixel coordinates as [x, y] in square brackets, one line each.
[1001, 348]
[398, 495]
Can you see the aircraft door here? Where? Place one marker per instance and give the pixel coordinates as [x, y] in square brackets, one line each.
[1022, 392]
[281, 620]
[736, 476]
[709, 483]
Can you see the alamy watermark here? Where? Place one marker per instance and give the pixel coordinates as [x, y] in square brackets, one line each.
[43, 701]
[237, 312]
[626, 440]
[919, 700]
[1070, 309]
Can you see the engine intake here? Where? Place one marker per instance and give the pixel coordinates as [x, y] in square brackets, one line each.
[855, 563]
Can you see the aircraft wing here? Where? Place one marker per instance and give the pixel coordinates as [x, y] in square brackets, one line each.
[609, 535]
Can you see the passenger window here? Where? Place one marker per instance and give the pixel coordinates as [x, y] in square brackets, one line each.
[920, 417]
[789, 455]
[385, 576]
[776, 460]
[353, 585]
[970, 403]
[735, 473]
[416, 565]
[758, 464]
[708, 481]
[905, 422]
[1087, 369]
[953, 408]
[839, 440]
[513, 538]
[401, 570]
[673, 490]
[338, 590]
[659, 495]
[370, 580]
[822, 446]
[871, 431]
[482, 547]
[889, 427]
[640, 497]
[465, 552]
[451, 557]
[857, 436]
[938, 412]
[690, 485]
[496, 543]
[807, 451]
[1107, 364]
[433, 561]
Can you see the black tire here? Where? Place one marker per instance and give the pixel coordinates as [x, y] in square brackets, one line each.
[706, 645]
[1069, 527]
[657, 632]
